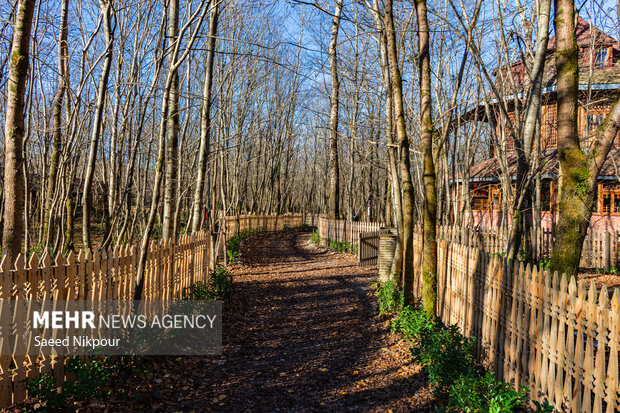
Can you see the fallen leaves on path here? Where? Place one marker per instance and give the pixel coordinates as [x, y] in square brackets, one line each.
[301, 334]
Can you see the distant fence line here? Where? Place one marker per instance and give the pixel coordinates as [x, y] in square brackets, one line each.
[601, 249]
[109, 274]
[341, 230]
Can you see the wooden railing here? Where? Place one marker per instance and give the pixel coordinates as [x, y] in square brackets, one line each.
[344, 231]
[171, 266]
[559, 337]
[601, 249]
[236, 224]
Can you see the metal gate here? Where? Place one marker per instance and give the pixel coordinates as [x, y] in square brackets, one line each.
[368, 251]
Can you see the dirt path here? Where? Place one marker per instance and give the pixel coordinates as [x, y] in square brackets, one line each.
[301, 334]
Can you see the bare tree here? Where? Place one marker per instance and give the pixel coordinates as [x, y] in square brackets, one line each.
[405, 163]
[106, 12]
[13, 217]
[334, 170]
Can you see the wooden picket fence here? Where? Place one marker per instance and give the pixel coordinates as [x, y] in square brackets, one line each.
[601, 249]
[102, 275]
[559, 337]
[344, 231]
[237, 224]
[171, 267]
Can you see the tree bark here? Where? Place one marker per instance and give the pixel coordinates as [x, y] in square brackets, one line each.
[334, 169]
[525, 146]
[397, 261]
[578, 170]
[106, 10]
[405, 163]
[57, 120]
[13, 231]
[205, 123]
[172, 148]
[429, 249]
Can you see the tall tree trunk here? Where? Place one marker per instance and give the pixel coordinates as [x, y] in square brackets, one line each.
[578, 170]
[57, 120]
[525, 146]
[334, 169]
[405, 163]
[13, 231]
[106, 10]
[172, 149]
[205, 123]
[429, 251]
[397, 261]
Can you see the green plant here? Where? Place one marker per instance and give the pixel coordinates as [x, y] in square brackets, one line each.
[544, 263]
[613, 271]
[410, 322]
[233, 249]
[196, 291]
[478, 394]
[44, 395]
[89, 381]
[220, 283]
[445, 354]
[389, 297]
[218, 288]
[543, 407]
[599, 270]
[341, 247]
[315, 237]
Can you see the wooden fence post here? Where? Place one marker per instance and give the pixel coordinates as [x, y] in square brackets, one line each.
[606, 251]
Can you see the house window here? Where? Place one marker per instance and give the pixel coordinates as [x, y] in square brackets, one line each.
[595, 119]
[546, 193]
[549, 128]
[609, 198]
[480, 197]
[601, 57]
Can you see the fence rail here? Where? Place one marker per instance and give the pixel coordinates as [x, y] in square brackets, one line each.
[556, 336]
[601, 249]
[171, 266]
[344, 231]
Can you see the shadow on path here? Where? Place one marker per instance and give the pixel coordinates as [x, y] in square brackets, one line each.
[301, 334]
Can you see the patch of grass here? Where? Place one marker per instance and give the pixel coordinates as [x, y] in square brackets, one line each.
[315, 238]
[341, 246]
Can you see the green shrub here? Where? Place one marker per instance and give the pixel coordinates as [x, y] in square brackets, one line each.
[220, 283]
[196, 291]
[389, 298]
[445, 354]
[315, 238]
[233, 248]
[410, 322]
[44, 395]
[341, 247]
[479, 394]
[448, 360]
[218, 288]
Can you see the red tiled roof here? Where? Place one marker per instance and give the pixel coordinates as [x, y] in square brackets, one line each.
[585, 31]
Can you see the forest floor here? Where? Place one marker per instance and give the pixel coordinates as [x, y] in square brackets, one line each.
[301, 334]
